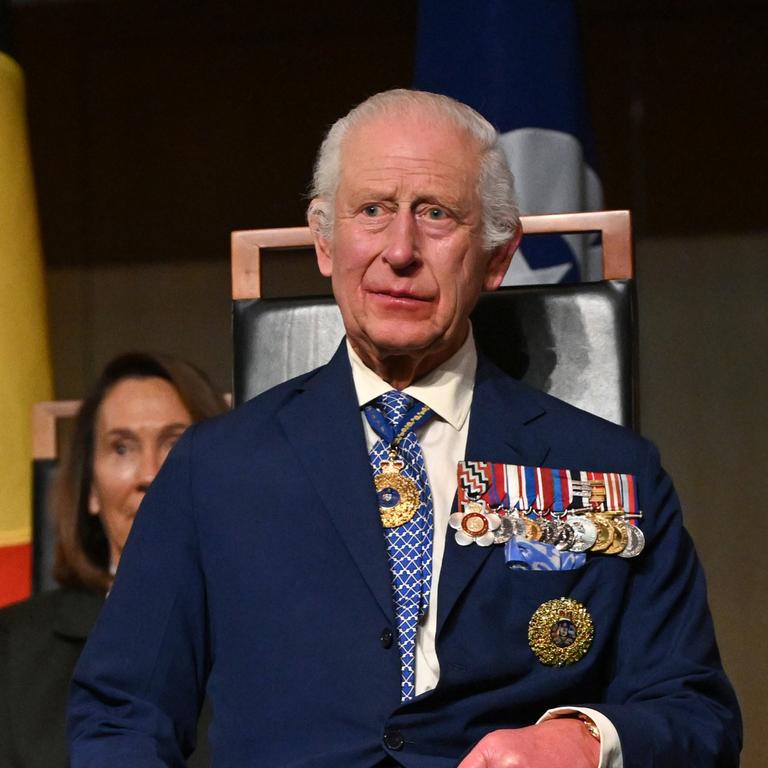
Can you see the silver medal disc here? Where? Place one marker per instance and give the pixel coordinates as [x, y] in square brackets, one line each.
[636, 542]
[504, 532]
[548, 532]
[585, 533]
[565, 536]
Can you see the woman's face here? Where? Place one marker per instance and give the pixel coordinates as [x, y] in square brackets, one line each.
[137, 424]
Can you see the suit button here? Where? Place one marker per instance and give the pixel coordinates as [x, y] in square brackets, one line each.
[387, 637]
[393, 740]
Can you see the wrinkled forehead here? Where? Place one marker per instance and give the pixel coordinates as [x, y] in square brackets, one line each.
[411, 141]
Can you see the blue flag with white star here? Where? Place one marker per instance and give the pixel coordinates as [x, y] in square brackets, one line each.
[518, 62]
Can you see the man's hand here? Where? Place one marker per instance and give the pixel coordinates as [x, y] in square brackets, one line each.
[563, 742]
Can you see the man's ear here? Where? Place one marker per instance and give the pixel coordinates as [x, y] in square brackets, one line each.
[318, 219]
[499, 261]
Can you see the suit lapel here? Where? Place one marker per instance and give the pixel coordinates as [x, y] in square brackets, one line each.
[503, 428]
[324, 426]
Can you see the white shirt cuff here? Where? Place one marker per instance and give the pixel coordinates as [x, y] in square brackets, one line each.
[610, 745]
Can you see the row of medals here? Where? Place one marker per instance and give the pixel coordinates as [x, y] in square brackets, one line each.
[576, 530]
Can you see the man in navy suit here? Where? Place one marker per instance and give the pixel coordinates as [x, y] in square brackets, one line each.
[259, 569]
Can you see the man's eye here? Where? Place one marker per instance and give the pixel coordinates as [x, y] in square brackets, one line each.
[120, 448]
[435, 214]
[373, 210]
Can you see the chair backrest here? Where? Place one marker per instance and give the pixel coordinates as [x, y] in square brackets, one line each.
[575, 341]
[46, 421]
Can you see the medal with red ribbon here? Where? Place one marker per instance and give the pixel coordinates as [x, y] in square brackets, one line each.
[573, 510]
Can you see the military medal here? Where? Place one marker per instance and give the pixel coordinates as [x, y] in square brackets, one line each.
[565, 536]
[509, 526]
[548, 532]
[620, 538]
[571, 511]
[635, 543]
[560, 632]
[585, 533]
[636, 538]
[604, 533]
[614, 510]
[532, 529]
[475, 524]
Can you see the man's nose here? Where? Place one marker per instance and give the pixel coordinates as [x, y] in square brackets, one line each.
[401, 250]
[148, 467]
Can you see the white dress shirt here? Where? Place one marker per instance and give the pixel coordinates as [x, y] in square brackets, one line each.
[447, 390]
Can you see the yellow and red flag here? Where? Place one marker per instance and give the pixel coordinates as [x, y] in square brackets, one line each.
[25, 371]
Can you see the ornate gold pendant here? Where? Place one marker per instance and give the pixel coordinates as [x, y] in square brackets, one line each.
[398, 495]
[560, 632]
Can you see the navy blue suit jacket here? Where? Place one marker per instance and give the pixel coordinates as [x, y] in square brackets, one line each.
[257, 568]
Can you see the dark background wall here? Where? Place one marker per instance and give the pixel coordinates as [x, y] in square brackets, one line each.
[159, 127]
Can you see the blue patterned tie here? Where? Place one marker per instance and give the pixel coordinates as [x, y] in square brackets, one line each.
[409, 546]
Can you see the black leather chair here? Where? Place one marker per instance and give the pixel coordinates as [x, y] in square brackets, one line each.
[576, 341]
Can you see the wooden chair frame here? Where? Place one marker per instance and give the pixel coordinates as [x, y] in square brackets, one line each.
[45, 417]
[614, 226]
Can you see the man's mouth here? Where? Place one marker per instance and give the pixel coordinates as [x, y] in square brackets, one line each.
[400, 295]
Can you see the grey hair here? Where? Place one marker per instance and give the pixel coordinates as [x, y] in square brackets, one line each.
[496, 185]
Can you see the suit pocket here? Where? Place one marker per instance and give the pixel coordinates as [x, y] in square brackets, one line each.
[531, 588]
[524, 555]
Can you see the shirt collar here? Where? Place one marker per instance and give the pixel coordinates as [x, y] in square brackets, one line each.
[447, 389]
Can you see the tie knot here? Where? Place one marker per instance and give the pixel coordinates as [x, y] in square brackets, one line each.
[393, 413]
[394, 405]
